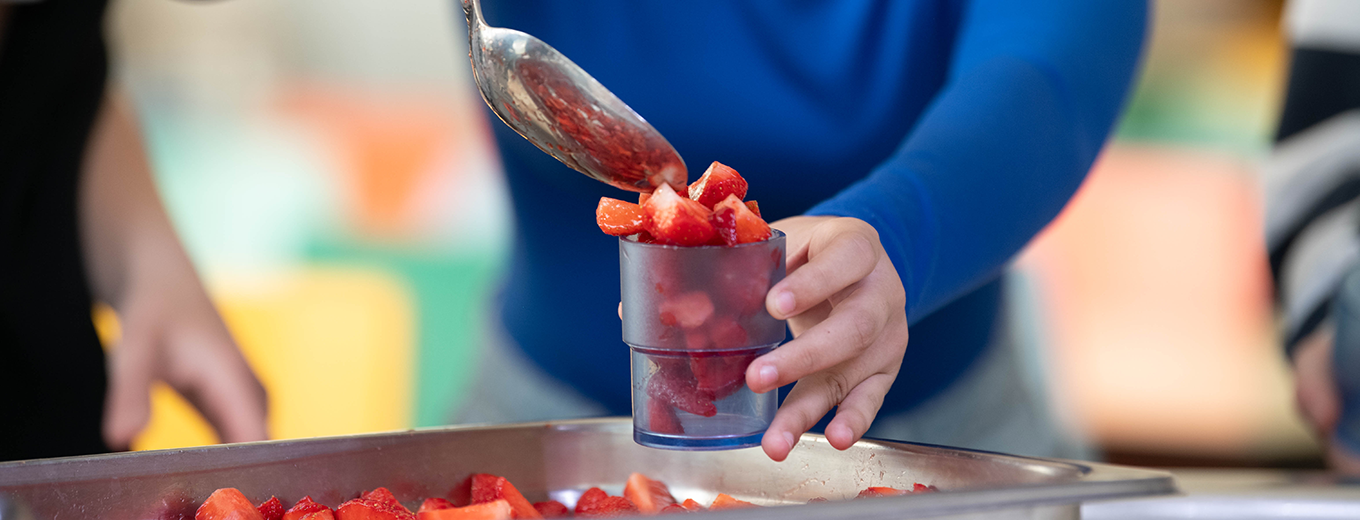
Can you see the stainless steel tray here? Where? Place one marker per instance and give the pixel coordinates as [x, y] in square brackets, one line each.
[559, 460]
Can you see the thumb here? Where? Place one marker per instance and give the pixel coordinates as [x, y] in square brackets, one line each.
[127, 405]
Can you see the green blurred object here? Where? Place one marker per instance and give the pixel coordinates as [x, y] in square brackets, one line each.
[1211, 77]
[453, 292]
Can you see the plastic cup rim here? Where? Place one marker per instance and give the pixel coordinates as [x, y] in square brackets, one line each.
[775, 234]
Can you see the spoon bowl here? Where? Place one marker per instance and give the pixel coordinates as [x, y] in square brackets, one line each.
[565, 112]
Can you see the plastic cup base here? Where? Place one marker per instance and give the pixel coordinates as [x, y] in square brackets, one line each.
[683, 443]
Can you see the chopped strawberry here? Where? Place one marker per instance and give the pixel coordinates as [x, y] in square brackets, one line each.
[552, 509]
[742, 279]
[357, 509]
[696, 339]
[619, 218]
[743, 292]
[306, 509]
[378, 504]
[486, 488]
[692, 505]
[661, 418]
[675, 220]
[723, 501]
[271, 509]
[605, 506]
[881, 491]
[755, 208]
[673, 508]
[642, 198]
[646, 238]
[648, 495]
[677, 388]
[590, 499]
[736, 224]
[688, 310]
[717, 183]
[227, 504]
[726, 333]
[433, 503]
[720, 376]
[381, 496]
[493, 510]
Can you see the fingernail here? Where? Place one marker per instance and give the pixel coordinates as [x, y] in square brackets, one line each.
[788, 437]
[768, 376]
[783, 302]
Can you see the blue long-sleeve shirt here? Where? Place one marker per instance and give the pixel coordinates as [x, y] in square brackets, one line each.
[957, 128]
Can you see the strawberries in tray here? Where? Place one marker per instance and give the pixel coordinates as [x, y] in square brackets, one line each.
[378, 504]
[227, 504]
[492, 498]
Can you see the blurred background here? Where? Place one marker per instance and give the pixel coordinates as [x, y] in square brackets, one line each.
[328, 166]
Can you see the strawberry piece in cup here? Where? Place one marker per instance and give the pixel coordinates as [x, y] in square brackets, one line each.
[676, 387]
[716, 184]
[675, 220]
[737, 224]
[618, 218]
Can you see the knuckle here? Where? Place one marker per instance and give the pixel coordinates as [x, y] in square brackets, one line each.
[860, 246]
[808, 360]
[837, 387]
[899, 302]
[806, 417]
[863, 330]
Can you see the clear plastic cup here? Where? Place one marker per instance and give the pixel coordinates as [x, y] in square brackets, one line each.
[694, 318]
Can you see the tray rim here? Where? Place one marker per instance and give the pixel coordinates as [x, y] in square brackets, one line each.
[1094, 480]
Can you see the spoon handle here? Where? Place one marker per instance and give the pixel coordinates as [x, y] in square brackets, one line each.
[472, 9]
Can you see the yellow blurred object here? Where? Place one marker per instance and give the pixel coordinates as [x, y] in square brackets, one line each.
[333, 346]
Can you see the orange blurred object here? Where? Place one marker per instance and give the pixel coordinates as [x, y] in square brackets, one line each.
[1157, 291]
[389, 145]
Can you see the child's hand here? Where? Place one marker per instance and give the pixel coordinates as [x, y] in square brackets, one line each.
[847, 309]
[1319, 398]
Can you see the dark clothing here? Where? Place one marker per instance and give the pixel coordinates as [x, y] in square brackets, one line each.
[52, 374]
[1322, 84]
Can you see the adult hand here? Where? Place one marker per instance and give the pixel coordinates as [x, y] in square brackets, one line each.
[846, 307]
[173, 334]
[1319, 399]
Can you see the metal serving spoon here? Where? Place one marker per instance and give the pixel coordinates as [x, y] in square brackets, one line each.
[562, 110]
